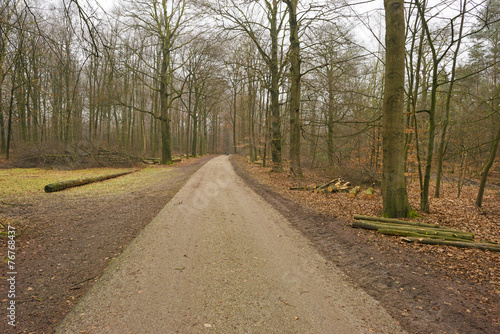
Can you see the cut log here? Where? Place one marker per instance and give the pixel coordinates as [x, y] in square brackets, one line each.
[151, 161]
[368, 194]
[372, 225]
[301, 188]
[354, 191]
[53, 187]
[391, 220]
[324, 186]
[377, 226]
[332, 189]
[427, 234]
[463, 244]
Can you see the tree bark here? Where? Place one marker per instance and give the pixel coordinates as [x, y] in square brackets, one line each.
[53, 187]
[330, 114]
[165, 81]
[486, 169]
[428, 241]
[395, 197]
[377, 226]
[392, 221]
[295, 94]
[275, 105]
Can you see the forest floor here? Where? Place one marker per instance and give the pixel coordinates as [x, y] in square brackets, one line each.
[429, 289]
[69, 238]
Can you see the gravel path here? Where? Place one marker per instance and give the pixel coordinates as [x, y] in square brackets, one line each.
[219, 259]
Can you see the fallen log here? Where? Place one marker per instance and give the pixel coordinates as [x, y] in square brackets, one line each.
[368, 194]
[151, 161]
[463, 244]
[332, 189]
[324, 186]
[427, 234]
[53, 187]
[301, 188]
[375, 226]
[354, 191]
[154, 161]
[392, 220]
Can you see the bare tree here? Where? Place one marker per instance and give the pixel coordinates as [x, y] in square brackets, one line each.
[395, 198]
[242, 21]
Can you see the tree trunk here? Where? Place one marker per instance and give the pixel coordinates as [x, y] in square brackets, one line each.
[275, 105]
[3, 44]
[3, 142]
[486, 169]
[166, 153]
[395, 197]
[235, 96]
[53, 187]
[9, 122]
[428, 241]
[295, 94]
[330, 115]
[392, 221]
[195, 124]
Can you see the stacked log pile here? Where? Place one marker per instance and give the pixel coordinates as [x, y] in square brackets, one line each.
[422, 233]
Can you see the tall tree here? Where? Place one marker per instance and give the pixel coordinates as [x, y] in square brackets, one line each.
[164, 21]
[295, 95]
[246, 22]
[395, 197]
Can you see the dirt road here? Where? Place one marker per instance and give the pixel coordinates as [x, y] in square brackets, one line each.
[219, 259]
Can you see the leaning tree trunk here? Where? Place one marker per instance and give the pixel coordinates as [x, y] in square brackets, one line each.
[496, 140]
[395, 197]
[489, 163]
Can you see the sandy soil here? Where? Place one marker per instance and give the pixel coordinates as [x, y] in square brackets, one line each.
[218, 258]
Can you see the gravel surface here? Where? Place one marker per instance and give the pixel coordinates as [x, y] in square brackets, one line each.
[218, 258]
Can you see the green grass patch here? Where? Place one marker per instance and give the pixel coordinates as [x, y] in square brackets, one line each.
[20, 183]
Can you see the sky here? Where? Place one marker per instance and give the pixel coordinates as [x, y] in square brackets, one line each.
[107, 4]
[366, 15]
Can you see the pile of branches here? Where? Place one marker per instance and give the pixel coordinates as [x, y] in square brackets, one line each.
[422, 232]
[335, 186]
[78, 157]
